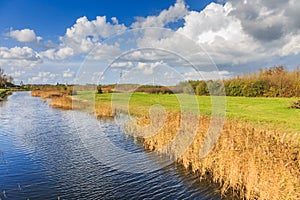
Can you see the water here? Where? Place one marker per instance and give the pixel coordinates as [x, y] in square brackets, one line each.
[43, 156]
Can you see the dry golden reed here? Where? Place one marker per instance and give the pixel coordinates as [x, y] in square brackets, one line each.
[46, 94]
[60, 99]
[250, 163]
[103, 111]
[62, 102]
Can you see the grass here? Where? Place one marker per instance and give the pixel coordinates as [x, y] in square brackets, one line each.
[271, 112]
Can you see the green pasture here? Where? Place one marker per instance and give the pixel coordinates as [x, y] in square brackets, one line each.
[271, 112]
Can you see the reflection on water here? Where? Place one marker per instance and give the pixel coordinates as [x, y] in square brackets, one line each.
[42, 156]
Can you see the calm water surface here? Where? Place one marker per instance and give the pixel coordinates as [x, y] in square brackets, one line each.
[42, 156]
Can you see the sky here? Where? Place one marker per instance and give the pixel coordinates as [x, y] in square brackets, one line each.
[72, 41]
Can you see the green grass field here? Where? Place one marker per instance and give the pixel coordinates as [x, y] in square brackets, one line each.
[271, 112]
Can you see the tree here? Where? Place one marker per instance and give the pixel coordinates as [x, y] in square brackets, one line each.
[201, 88]
[5, 80]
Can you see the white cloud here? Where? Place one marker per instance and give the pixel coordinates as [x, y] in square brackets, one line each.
[65, 52]
[86, 35]
[68, 73]
[24, 35]
[17, 74]
[43, 77]
[173, 14]
[43, 74]
[122, 64]
[19, 53]
[114, 20]
[148, 68]
[104, 52]
[213, 21]
[204, 75]
[221, 35]
[220, 32]
[40, 77]
[33, 79]
[50, 53]
[19, 56]
[292, 47]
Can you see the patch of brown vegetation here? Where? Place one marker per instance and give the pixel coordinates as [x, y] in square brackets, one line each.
[62, 102]
[46, 94]
[103, 111]
[252, 163]
[60, 99]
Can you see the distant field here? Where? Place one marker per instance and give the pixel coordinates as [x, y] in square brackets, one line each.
[271, 112]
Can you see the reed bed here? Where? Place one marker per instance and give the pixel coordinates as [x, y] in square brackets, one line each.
[60, 99]
[46, 94]
[62, 102]
[249, 163]
[103, 111]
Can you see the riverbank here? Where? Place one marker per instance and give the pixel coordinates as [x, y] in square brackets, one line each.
[251, 160]
[4, 93]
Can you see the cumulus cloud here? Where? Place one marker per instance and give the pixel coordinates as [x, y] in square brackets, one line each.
[19, 56]
[234, 33]
[65, 52]
[104, 52]
[148, 68]
[24, 35]
[292, 47]
[86, 35]
[268, 20]
[172, 14]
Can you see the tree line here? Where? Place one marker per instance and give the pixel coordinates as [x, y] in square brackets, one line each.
[275, 81]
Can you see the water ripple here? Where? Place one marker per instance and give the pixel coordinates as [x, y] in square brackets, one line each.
[42, 156]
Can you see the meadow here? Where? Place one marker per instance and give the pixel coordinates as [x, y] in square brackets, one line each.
[271, 113]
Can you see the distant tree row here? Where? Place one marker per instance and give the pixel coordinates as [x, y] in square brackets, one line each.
[269, 82]
[5, 80]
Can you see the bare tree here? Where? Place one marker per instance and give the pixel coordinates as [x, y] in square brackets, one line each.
[5, 79]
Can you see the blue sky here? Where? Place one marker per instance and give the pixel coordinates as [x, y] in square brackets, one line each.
[56, 41]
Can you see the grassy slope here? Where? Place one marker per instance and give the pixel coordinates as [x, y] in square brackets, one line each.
[271, 112]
